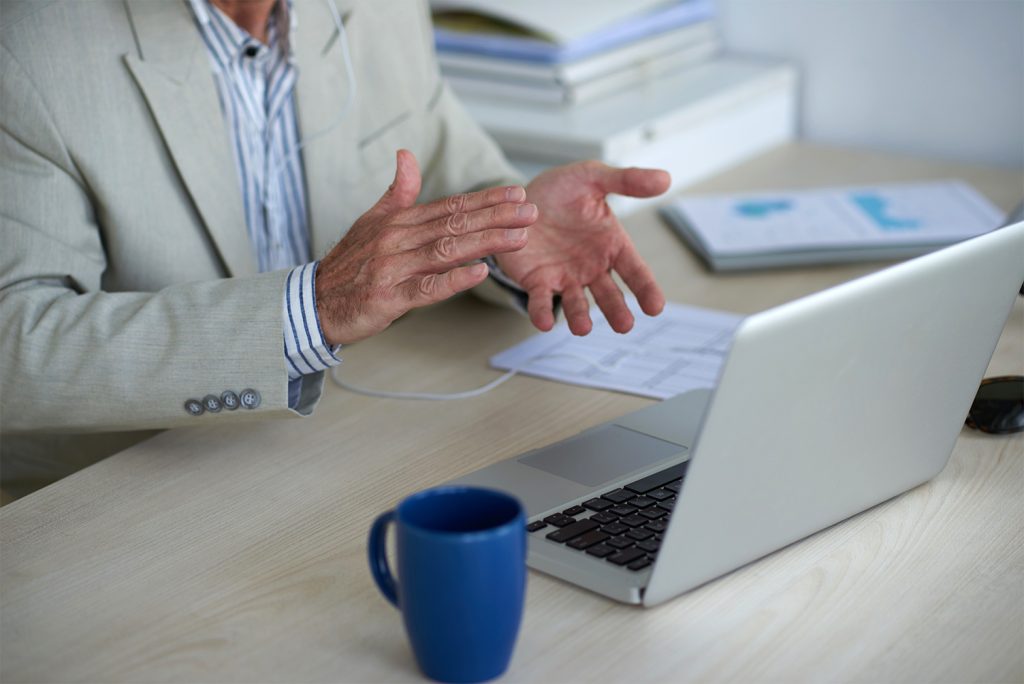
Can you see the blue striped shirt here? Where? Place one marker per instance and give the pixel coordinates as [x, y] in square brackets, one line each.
[255, 84]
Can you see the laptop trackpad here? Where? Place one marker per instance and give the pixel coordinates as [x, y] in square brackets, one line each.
[605, 454]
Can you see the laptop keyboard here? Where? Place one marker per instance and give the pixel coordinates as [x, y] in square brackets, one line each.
[624, 526]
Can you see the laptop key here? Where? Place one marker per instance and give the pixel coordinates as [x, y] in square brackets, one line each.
[597, 504]
[618, 495]
[659, 479]
[614, 528]
[667, 505]
[588, 540]
[559, 520]
[660, 494]
[601, 550]
[633, 520]
[603, 518]
[649, 545]
[658, 526]
[653, 513]
[572, 531]
[536, 525]
[639, 564]
[574, 510]
[675, 486]
[639, 534]
[619, 542]
[626, 556]
[622, 510]
[642, 502]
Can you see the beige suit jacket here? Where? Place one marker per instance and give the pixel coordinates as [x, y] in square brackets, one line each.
[128, 284]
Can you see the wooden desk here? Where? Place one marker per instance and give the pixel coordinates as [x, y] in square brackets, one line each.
[237, 553]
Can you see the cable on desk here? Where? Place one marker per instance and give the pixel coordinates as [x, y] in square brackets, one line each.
[467, 394]
[426, 396]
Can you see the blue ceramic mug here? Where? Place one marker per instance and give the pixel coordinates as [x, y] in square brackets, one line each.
[461, 578]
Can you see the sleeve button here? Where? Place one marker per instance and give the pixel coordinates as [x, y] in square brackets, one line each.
[249, 398]
[211, 403]
[194, 407]
[229, 400]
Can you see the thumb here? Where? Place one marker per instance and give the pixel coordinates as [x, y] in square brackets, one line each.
[405, 188]
[634, 182]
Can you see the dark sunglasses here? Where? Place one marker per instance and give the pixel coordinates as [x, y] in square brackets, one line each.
[998, 407]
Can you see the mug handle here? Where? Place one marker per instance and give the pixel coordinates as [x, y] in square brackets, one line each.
[377, 551]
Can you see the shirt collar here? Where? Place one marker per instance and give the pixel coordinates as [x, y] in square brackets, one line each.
[230, 44]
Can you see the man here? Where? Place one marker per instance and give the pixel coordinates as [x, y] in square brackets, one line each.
[160, 220]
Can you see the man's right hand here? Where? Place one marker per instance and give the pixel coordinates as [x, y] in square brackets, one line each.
[399, 255]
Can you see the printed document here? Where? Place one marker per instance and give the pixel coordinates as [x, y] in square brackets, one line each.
[680, 350]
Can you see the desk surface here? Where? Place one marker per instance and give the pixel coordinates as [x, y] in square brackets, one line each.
[237, 553]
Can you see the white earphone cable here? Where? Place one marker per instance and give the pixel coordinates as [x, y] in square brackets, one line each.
[468, 394]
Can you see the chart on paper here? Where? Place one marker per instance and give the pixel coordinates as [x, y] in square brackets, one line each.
[662, 356]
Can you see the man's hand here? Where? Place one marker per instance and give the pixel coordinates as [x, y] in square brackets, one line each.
[399, 255]
[577, 242]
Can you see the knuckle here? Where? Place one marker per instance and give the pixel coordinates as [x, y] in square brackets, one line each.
[446, 248]
[455, 224]
[428, 285]
[455, 203]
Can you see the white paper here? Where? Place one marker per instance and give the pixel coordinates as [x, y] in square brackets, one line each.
[679, 350]
[912, 214]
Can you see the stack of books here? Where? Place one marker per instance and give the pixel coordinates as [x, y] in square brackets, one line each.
[567, 53]
[639, 83]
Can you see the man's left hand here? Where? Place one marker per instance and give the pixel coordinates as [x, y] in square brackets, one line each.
[577, 242]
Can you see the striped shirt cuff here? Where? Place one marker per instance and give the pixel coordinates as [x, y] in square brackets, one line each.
[305, 348]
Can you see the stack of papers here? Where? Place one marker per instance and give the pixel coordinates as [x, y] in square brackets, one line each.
[681, 349]
[769, 229]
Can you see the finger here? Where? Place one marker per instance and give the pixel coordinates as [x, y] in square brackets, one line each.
[404, 189]
[435, 287]
[632, 181]
[577, 310]
[506, 215]
[612, 304]
[540, 307]
[447, 252]
[462, 203]
[639, 278]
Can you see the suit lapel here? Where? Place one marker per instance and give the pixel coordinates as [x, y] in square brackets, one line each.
[174, 75]
[320, 95]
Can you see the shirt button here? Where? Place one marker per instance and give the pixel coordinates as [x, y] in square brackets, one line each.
[229, 400]
[211, 403]
[249, 398]
[194, 407]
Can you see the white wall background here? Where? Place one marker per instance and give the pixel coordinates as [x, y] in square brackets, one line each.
[936, 78]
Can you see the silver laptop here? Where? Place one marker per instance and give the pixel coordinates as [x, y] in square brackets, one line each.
[825, 406]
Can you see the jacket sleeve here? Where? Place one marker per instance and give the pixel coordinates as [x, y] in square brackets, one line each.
[74, 357]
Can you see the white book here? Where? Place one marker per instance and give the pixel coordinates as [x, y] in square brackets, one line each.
[585, 69]
[829, 225]
[571, 94]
